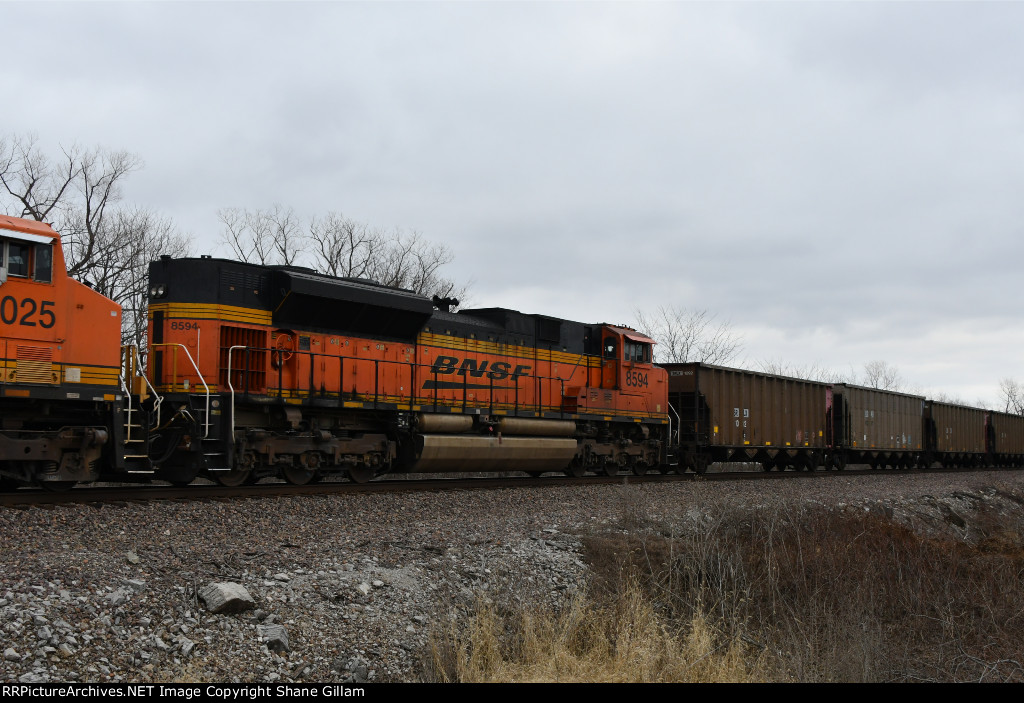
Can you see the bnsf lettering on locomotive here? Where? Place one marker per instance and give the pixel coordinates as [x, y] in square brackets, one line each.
[476, 369]
[470, 366]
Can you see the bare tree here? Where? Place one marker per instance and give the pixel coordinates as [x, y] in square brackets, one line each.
[272, 236]
[410, 261]
[950, 398]
[811, 372]
[343, 246]
[882, 375]
[132, 239]
[1013, 395]
[689, 335]
[340, 246]
[78, 192]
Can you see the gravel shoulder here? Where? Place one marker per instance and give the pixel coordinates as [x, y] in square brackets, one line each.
[356, 583]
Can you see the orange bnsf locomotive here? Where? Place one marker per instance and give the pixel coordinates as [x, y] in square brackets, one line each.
[280, 371]
[60, 394]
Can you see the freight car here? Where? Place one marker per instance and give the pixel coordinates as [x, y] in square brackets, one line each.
[731, 415]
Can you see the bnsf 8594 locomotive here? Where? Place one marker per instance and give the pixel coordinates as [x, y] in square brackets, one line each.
[274, 370]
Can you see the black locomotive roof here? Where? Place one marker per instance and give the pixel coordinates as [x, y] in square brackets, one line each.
[296, 297]
[301, 298]
[513, 327]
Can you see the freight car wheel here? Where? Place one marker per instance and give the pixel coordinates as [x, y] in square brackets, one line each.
[576, 469]
[298, 475]
[234, 478]
[361, 473]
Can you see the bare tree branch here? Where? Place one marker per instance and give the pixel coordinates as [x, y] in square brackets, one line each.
[1013, 395]
[882, 375]
[78, 193]
[340, 246]
[689, 335]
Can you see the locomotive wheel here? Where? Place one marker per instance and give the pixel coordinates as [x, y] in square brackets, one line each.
[57, 486]
[700, 465]
[576, 470]
[610, 469]
[360, 474]
[8, 484]
[298, 475]
[236, 477]
[534, 474]
[640, 468]
[178, 475]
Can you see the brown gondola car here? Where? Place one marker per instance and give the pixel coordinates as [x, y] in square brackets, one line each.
[275, 370]
[1006, 433]
[956, 435]
[876, 427]
[730, 414]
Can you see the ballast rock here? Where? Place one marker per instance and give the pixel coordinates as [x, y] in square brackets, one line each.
[275, 637]
[226, 597]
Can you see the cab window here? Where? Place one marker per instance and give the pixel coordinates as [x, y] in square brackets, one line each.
[44, 263]
[637, 352]
[17, 259]
[22, 260]
[610, 348]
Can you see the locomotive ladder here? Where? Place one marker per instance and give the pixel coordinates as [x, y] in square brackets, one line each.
[136, 433]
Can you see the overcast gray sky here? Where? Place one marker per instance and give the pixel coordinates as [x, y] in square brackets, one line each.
[841, 181]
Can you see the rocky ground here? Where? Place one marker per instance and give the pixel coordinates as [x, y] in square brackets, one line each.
[349, 588]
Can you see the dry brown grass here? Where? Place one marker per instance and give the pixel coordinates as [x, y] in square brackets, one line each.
[792, 593]
[627, 643]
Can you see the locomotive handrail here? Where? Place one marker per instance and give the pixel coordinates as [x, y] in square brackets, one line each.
[679, 421]
[138, 365]
[232, 389]
[206, 414]
[541, 384]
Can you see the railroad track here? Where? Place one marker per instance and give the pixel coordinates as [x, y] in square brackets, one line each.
[108, 493]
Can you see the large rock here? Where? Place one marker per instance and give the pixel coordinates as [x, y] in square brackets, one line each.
[226, 598]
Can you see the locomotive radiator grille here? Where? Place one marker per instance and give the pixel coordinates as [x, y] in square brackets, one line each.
[34, 365]
[255, 355]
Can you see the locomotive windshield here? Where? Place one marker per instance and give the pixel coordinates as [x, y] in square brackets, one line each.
[22, 259]
[637, 352]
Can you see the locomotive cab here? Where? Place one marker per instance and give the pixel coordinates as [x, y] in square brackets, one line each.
[626, 359]
[59, 341]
